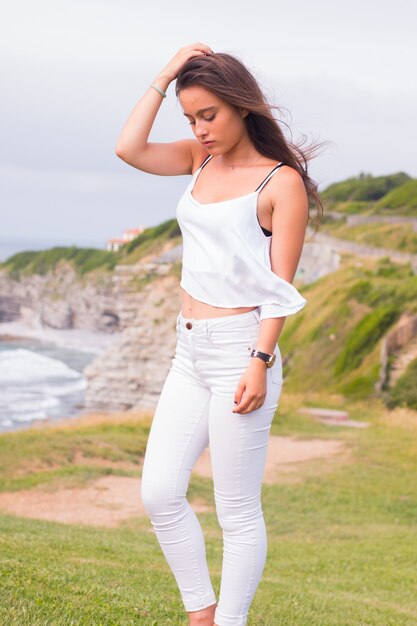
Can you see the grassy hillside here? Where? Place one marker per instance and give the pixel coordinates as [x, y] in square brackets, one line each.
[364, 187]
[333, 345]
[395, 194]
[84, 260]
[403, 197]
[398, 236]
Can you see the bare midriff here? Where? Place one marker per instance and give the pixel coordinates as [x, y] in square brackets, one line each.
[201, 310]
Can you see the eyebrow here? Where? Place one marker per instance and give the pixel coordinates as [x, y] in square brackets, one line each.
[201, 111]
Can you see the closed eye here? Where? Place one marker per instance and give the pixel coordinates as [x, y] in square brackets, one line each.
[206, 119]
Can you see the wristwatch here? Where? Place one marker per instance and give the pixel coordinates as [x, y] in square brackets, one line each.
[269, 359]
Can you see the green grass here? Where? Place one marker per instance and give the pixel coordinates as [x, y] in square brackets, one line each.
[395, 236]
[364, 188]
[341, 542]
[28, 459]
[84, 260]
[402, 197]
[363, 337]
[395, 194]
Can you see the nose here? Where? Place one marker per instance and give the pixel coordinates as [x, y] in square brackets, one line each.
[200, 130]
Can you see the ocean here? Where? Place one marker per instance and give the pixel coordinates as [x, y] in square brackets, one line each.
[41, 372]
[39, 381]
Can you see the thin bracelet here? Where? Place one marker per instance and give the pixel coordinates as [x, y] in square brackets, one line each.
[163, 94]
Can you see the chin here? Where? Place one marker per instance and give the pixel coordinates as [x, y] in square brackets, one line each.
[213, 150]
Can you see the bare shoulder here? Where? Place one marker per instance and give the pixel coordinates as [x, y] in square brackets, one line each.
[199, 154]
[288, 177]
[287, 188]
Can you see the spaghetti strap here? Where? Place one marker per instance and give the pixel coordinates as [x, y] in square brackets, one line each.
[198, 170]
[206, 161]
[271, 173]
[203, 164]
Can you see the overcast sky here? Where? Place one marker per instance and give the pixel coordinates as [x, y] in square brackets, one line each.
[72, 72]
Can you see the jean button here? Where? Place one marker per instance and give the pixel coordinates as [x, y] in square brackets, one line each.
[188, 325]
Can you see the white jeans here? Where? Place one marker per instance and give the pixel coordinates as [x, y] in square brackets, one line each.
[195, 411]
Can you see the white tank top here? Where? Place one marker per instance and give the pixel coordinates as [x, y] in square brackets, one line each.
[226, 256]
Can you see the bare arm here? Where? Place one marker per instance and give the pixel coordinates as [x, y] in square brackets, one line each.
[166, 159]
[289, 222]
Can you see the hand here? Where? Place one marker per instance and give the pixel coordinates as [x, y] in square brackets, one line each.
[251, 390]
[183, 55]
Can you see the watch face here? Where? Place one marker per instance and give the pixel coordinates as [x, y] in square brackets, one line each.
[272, 360]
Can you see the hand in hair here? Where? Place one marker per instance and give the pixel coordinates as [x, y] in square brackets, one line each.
[182, 56]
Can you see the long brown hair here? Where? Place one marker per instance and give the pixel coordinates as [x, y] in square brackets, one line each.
[229, 79]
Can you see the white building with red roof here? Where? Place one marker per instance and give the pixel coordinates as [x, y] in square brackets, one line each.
[116, 243]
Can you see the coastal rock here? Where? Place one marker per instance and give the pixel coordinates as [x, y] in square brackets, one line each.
[61, 299]
[130, 374]
[9, 308]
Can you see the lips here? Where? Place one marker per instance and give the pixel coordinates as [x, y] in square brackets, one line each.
[207, 143]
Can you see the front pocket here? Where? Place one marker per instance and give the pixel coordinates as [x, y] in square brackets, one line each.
[233, 339]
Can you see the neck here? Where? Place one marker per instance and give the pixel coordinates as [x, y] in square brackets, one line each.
[240, 155]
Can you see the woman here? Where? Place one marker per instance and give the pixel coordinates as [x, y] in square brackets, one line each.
[241, 249]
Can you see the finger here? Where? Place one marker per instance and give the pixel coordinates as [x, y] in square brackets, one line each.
[256, 403]
[240, 390]
[243, 405]
[205, 47]
[200, 46]
[238, 406]
[244, 410]
[251, 406]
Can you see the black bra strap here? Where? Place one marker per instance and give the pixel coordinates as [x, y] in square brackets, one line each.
[206, 161]
[269, 175]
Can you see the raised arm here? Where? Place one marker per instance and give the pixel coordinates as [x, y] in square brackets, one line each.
[166, 159]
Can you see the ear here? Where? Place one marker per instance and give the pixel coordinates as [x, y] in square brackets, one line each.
[244, 112]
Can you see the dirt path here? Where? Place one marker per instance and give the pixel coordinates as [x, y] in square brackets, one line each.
[109, 500]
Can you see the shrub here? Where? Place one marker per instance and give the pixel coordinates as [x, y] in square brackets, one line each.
[404, 393]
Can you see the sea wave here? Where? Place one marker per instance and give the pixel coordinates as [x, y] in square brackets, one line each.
[36, 387]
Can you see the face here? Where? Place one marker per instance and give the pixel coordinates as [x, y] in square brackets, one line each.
[212, 119]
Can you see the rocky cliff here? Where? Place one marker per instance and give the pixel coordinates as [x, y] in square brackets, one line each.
[130, 374]
[60, 299]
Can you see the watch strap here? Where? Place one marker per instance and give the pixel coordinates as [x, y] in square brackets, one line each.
[264, 356]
